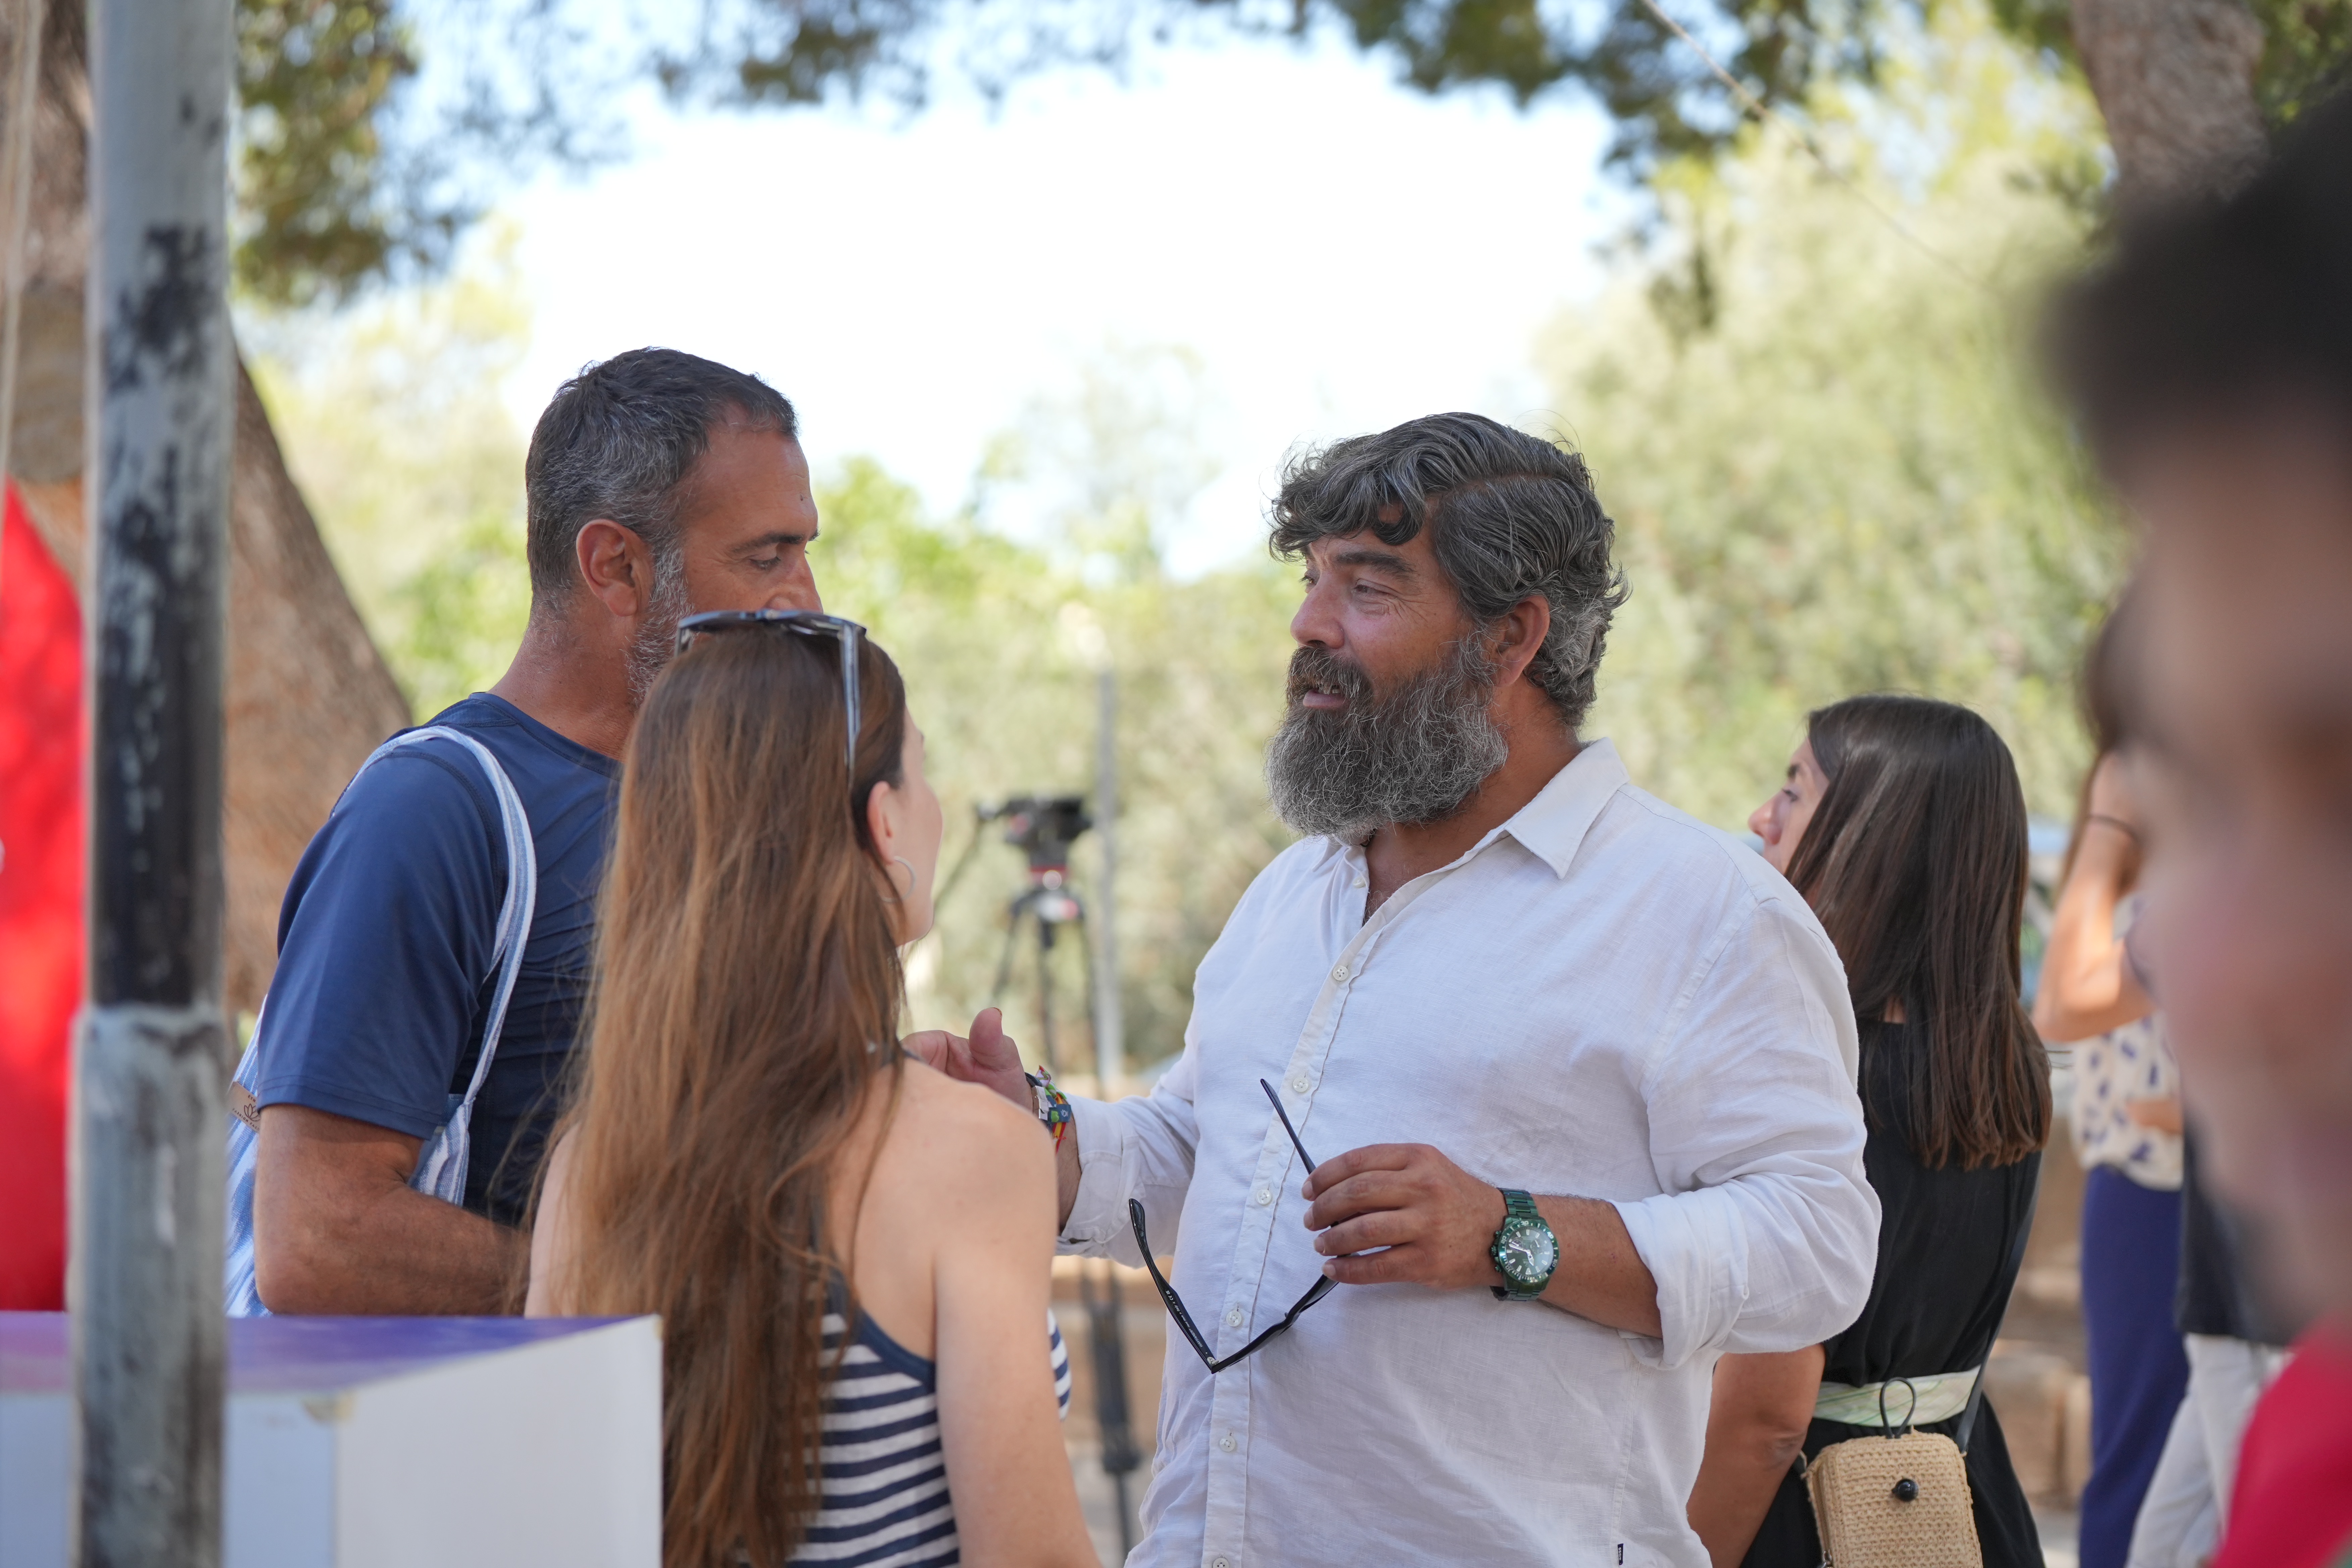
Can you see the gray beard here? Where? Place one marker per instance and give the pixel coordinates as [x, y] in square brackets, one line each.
[1412, 756]
[655, 642]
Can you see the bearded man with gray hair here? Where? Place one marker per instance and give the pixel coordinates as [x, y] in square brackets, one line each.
[1582, 1068]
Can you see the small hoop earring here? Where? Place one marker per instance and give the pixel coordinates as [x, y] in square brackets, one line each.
[914, 880]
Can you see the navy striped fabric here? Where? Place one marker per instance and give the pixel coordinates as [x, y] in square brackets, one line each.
[886, 1481]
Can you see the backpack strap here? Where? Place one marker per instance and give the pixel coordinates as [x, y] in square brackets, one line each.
[441, 1170]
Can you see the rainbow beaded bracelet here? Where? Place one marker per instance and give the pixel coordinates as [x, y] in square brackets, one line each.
[1052, 1105]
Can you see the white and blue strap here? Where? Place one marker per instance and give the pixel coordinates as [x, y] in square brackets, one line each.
[441, 1165]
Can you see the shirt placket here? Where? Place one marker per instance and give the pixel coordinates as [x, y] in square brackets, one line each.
[1222, 1543]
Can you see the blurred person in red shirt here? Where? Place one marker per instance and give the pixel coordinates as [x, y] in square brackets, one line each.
[2211, 361]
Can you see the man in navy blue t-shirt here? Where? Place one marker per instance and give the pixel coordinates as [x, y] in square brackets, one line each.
[659, 484]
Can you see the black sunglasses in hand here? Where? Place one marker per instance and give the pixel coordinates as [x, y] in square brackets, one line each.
[1184, 1325]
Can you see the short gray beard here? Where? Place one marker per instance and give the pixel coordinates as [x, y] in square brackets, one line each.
[1412, 756]
[655, 642]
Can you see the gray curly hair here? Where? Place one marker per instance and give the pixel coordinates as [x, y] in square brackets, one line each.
[1510, 516]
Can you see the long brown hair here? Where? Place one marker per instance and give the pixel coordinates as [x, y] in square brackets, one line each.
[1915, 862]
[745, 1005]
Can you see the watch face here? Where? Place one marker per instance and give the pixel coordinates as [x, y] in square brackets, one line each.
[1526, 1251]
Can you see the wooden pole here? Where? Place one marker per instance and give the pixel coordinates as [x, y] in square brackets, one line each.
[144, 1282]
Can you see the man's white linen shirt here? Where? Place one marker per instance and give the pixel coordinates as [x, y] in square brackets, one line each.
[1604, 998]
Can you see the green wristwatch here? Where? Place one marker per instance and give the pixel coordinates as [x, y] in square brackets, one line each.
[1525, 1250]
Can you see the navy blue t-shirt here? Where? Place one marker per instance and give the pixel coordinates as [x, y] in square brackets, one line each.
[384, 977]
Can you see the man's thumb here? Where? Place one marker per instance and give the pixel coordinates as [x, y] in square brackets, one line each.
[987, 1031]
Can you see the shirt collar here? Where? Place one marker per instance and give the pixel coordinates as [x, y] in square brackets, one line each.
[1552, 825]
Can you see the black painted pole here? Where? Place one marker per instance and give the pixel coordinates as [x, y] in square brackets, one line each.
[151, 1048]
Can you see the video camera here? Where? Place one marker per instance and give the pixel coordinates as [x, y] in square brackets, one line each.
[1041, 826]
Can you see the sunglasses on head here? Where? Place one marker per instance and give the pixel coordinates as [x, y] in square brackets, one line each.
[1184, 1325]
[807, 624]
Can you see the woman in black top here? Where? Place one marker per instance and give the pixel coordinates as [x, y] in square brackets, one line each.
[1904, 825]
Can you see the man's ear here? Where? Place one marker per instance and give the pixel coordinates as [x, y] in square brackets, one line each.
[615, 566]
[1519, 636]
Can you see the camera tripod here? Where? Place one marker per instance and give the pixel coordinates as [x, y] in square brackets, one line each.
[1044, 828]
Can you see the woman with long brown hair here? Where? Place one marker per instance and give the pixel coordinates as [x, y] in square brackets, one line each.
[1903, 824]
[849, 1252]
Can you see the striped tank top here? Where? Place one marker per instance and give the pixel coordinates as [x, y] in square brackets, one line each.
[884, 1502]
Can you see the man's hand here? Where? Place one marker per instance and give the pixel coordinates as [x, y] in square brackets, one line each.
[989, 1058]
[1435, 1219]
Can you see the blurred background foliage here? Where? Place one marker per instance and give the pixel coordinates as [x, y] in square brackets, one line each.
[1823, 439]
[1814, 422]
[392, 422]
[1000, 642]
[355, 165]
[362, 156]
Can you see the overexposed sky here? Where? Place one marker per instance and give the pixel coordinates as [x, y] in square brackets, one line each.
[1341, 253]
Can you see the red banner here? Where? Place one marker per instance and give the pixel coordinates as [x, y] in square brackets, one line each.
[41, 869]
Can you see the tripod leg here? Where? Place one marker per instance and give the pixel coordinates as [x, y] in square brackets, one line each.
[1005, 961]
[1106, 1338]
[1046, 995]
[1094, 998]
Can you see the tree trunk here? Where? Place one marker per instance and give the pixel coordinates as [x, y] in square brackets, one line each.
[308, 695]
[2175, 80]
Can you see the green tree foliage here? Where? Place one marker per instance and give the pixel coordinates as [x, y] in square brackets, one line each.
[1831, 469]
[391, 424]
[314, 77]
[348, 171]
[2307, 56]
[1665, 101]
[343, 178]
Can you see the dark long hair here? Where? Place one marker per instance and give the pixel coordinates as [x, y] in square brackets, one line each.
[1915, 862]
[745, 1007]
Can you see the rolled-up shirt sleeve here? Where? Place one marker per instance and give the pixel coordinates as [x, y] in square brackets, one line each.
[1141, 1148]
[1766, 1234]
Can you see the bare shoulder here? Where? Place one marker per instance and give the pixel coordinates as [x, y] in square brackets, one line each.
[967, 1135]
[965, 1114]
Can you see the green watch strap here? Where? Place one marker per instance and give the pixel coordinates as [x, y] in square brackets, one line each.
[1517, 1206]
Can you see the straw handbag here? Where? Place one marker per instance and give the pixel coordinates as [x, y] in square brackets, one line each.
[1894, 1502]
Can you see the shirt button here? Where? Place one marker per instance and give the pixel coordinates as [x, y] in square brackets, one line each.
[1228, 1445]
[1340, 973]
[1298, 1084]
[1234, 1318]
[1360, 881]
[1265, 1196]
[1219, 1562]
